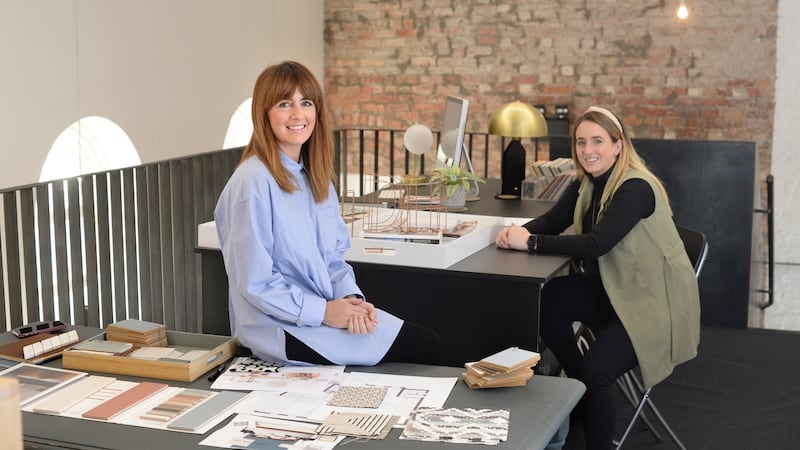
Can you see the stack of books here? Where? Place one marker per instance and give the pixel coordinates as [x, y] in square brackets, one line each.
[557, 186]
[557, 173]
[510, 367]
[140, 333]
[551, 168]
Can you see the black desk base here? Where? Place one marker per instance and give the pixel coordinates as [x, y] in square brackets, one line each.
[473, 316]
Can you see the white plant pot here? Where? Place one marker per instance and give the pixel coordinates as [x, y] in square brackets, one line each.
[457, 200]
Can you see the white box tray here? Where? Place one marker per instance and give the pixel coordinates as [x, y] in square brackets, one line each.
[437, 256]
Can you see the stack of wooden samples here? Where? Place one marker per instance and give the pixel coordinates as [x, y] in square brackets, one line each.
[510, 367]
[138, 332]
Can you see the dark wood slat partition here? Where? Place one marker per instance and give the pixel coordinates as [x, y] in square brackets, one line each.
[79, 308]
[29, 251]
[154, 234]
[131, 281]
[45, 254]
[105, 298]
[143, 237]
[12, 260]
[116, 214]
[103, 247]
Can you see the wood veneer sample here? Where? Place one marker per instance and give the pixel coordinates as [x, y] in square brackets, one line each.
[60, 401]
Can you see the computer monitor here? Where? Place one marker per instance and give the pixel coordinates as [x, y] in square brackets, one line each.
[451, 137]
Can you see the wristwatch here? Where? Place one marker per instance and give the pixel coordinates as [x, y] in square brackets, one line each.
[533, 242]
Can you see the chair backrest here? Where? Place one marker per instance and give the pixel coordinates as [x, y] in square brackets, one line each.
[696, 246]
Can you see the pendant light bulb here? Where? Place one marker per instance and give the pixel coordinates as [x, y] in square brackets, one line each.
[683, 11]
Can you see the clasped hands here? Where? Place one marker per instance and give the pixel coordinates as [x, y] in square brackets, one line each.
[353, 313]
[514, 237]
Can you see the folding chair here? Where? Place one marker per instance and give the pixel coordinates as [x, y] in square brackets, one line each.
[629, 383]
[697, 249]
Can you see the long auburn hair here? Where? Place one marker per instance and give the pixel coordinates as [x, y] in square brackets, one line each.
[279, 82]
[627, 158]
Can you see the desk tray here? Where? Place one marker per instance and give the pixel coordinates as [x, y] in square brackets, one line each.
[413, 254]
[220, 349]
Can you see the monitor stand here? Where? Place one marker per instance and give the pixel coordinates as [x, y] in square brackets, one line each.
[472, 195]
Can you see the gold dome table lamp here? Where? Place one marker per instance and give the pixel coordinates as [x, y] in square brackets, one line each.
[515, 120]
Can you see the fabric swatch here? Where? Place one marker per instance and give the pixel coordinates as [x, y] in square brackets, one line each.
[463, 426]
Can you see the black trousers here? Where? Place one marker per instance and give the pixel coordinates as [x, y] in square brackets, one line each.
[582, 298]
[413, 344]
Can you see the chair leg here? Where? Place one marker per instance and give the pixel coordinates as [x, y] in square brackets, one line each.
[632, 392]
[584, 336]
[645, 397]
[635, 383]
[664, 424]
[660, 418]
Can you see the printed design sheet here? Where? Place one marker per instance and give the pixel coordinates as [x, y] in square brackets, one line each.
[252, 374]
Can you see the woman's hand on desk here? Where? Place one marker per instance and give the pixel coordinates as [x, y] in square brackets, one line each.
[358, 316]
[514, 237]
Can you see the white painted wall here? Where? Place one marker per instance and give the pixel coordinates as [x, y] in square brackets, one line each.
[785, 312]
[170, 73]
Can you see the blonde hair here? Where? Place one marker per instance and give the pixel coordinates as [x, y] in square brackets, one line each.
[627, 158]
[279, 82]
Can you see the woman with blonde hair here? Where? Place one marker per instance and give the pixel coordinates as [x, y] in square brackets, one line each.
[636, 288]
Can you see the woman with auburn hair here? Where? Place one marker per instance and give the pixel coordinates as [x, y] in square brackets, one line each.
[293, 298]
[636, 289]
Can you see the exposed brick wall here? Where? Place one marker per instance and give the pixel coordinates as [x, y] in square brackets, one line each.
[389, 64]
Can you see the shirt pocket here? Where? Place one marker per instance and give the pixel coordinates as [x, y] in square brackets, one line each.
[329, 230]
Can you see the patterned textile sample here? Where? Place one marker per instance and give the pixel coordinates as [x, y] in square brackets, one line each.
[358, 396]
[373, 426]
[463, 426]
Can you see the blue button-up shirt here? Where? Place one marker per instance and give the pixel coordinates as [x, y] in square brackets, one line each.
[284, 255]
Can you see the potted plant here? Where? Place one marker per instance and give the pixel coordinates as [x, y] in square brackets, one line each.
[452, 184]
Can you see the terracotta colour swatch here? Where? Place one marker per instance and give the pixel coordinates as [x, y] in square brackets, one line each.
[115, 405]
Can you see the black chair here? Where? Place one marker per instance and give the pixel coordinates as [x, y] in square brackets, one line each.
[697, 249]
[629, 383]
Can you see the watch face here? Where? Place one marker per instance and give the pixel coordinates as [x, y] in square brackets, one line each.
[532, 242]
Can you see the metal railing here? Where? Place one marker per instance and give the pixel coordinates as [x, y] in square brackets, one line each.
[368, 152]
